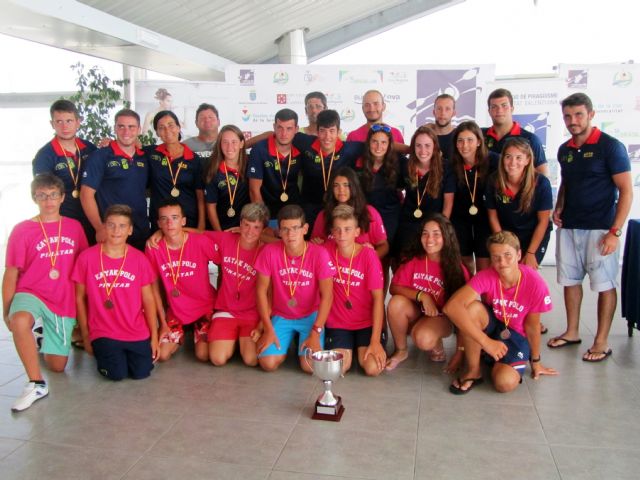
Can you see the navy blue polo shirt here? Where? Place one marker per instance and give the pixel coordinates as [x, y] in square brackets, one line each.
[462, 198]
[51, 158]
[445, 142]
[496, 145]
[385, 198]
[217, 191]
[590, 195]
[189, 180]
[346, 154]
[428, 203]
[506, 206]
[266, 164]
[120, 179]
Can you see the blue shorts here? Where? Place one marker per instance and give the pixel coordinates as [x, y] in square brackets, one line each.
[118, 359]
[518, 353]
[348, 339]
[285, 329]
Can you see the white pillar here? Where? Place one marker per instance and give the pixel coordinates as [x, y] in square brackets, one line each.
[291, 48]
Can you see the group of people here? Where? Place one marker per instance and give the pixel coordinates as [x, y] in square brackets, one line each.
[309, 231]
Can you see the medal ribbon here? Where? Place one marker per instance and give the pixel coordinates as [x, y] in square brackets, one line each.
[76, 177]
[174, 178]
[174, 277]
[424, 191]
[326, 176]
[232, 195]
[52, 257]
[475, 184]
[292, 288]
[436, 293]
[286, 177]
[346, 289]
[502, 302]
[109, 287]
[255, 255]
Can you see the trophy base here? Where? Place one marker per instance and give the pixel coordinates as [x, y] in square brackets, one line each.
[331, 413]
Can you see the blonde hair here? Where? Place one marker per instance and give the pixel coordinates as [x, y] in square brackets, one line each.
[504, 238]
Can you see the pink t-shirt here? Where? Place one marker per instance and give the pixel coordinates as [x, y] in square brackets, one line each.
[366, 275]
[125, 321]
[317, 266]
[197, 295]
[28, 252]
[237, 294]
[376, 234]
[360, 134]
[533, 295]
[414, 274]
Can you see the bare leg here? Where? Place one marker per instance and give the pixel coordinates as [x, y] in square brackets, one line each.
[166, 350]
[271, 362]
[369, 365]
[401, 313]
[220, 351]
[56, 363]
[202, 350]
[21, 325]
[347, 356]
[607, 302]
[472, 349]
[248, 351]
[428, 333]
[572, 303]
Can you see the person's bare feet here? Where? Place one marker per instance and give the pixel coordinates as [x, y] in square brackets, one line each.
[399, 356]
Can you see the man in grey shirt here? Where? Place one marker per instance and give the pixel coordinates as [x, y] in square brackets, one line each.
[208, 122]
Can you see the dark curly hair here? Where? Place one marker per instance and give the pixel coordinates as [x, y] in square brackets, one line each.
[356, 200]
[450, 258]
[389, 163]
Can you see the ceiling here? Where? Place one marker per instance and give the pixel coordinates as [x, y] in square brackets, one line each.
[197, 39]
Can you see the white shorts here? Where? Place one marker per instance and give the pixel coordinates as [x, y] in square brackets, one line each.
[578, 253]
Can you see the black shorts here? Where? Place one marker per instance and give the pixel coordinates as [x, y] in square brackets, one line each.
[542, 248]
[472, 238]
[118, 359]
[347, 339]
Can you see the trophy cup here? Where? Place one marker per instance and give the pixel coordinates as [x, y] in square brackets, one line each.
[327, 366]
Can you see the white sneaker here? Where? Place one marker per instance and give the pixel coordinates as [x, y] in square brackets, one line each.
[30, 394]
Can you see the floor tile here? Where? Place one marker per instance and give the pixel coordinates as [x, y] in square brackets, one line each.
[157, 468]
[577, 463]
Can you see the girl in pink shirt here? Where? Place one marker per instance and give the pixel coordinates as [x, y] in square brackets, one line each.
[431, 271]
[346, 190]
[505, 323]
[357, 312]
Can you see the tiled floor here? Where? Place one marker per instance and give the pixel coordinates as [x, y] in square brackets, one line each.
[196, 421]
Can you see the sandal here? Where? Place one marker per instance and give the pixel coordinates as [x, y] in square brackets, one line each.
[459, 390]
[605, 354]
[565, 342]
[437, 355]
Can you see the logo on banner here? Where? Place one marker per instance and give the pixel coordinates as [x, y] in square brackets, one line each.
[537, 123]
[247, 135]
[310, 77]
[357, 98]
[280, 77]
[246, 116]
[622, 79]
[577, 78]
[397, 77]
[253, 95]
[360, 76]
[347, 115]
[281, 98]
[634, 152]
[247, 77]
[460, 84]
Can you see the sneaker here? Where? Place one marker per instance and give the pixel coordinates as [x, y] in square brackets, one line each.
[38, 332]
[32, 392]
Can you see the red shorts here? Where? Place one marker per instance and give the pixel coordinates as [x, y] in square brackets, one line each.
[228, 328]
[176, 329]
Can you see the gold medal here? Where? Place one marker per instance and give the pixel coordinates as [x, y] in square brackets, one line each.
[75, 193]
[284, 197]
[292, 302]
[231, 212]
[505, 334]
[175, 192]
[417, 213]
[473, 210]
[54, 274]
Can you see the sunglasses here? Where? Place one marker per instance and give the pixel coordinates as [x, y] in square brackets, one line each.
[380, 127]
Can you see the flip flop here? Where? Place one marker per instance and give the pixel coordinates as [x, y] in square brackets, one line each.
[605, 355]
[566, 341]
[544, 330]
[393, 362]
[459, 391]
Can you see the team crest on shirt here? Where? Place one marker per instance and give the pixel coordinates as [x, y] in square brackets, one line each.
[60, 166]
[140, 164]
[113, 163]
[223, 183]
[588, 155]
[268, 164]
[164, 162]
[490, 142]
[568, 158]
[504, 198]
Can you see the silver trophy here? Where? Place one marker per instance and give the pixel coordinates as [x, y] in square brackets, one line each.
[327, 366]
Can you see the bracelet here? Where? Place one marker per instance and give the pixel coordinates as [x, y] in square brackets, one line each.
[418, 296]
[531, 253]
[461, 349]
[535, 360]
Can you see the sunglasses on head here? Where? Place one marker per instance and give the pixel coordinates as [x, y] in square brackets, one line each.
[380, 127]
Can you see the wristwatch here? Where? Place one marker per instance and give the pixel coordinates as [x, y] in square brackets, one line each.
[615, 231]
[316, 328]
